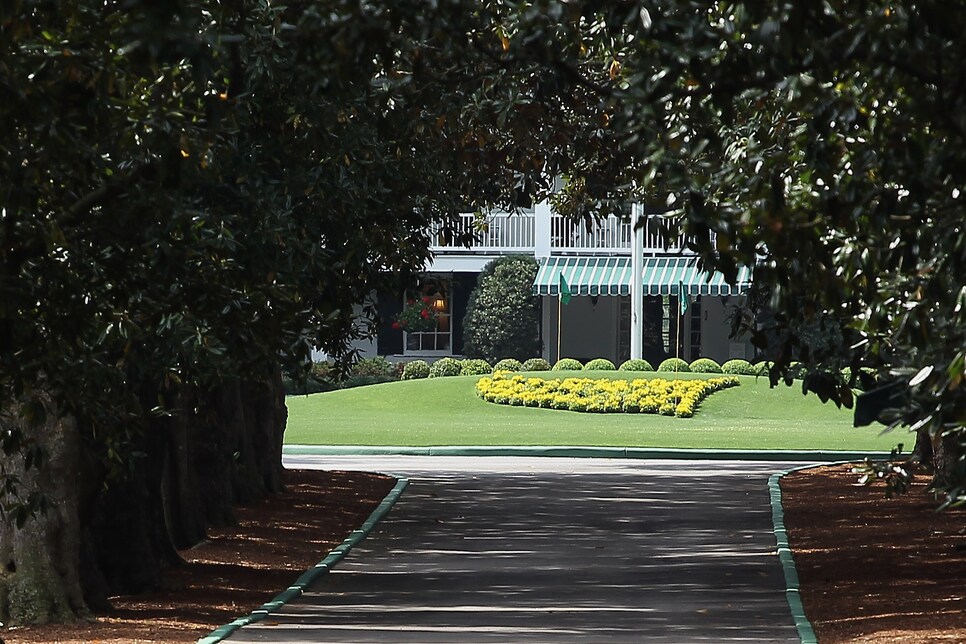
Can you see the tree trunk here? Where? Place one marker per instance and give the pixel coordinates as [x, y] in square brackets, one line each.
[184, 473]
[266, 415]
[184, 510]
[129, 534]
[947, 462]
[239, 457]
[923, 449]
[39, 562]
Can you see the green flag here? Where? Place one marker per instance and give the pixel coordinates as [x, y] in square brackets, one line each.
[564, 290]
[683, 297]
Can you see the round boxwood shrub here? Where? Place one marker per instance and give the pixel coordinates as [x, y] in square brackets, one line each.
[600, 364]
[797, 370]
[635, 364]
[475, 367]
[568, 364]
[444, 367]
[377, 367]
[415, 369]
[762, 368]
[675, 365]
[508, 364]
[536, 364]
[739, 367]
[865, 378]
[705, 365]
[503, 315]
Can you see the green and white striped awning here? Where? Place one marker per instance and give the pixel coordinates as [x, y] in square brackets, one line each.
[612, 276]
[584, 275]
[662, 275]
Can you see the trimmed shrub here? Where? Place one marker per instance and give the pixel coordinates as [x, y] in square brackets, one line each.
[762, 368]
[600, 364]
[415, 369]
[536, 364]
[475, 367]
[324, 371]
[444, 367]
[635, 364]
[503, 315]
[362, 381]
[377, 367]
[676, 365]
[705, 365]
[739, 367]
[866, 378]
[508, 364]
[797, 370]
[568, 364]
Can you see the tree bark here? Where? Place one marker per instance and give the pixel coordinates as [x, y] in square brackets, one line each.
[39, 562]
[183, 473]
[947, 463]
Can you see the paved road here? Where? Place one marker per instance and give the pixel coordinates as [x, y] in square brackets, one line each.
[553, 550]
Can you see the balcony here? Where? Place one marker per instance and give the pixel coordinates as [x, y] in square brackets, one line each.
[543, 233]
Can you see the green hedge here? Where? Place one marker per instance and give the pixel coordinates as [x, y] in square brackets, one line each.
[444, 367]
[508, 364]
[739, 367]
[705, 365]
[536, 364]
[475, 367]
[568, 364]
[415, 370]
[676, 365]
[635, 365]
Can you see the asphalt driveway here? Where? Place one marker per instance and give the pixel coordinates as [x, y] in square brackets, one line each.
[493, 549]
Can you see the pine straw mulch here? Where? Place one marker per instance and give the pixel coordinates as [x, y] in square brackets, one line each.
[237, 569]
[872, 569]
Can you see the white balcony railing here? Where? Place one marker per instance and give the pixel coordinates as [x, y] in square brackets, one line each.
[495, 233]
[519, 233]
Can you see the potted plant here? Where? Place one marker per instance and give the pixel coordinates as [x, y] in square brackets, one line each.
[418, 316]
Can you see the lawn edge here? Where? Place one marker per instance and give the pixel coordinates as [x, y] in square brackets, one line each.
[311, 575]
[577, 451]
[806, 632]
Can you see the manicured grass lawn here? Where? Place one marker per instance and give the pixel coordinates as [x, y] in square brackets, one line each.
[446, 411]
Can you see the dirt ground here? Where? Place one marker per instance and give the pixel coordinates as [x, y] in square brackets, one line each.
[238, 569]
[872, 569]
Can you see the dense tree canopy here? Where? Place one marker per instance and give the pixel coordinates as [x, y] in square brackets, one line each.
[194, 194]
[821, 143]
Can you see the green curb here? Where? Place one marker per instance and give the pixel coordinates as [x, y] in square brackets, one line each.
[792, 589]
[583, 452]
[311, 575]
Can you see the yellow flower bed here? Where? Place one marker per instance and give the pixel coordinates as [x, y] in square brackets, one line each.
[654, 396]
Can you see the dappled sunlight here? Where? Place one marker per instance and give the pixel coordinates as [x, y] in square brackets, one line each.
[595, 551]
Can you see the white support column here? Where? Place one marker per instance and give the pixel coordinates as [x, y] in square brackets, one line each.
[541, 229]
[637, 282]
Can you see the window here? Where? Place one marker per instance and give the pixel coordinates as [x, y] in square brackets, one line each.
[440, 340]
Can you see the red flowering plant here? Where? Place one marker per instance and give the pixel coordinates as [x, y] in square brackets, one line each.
[418, 316]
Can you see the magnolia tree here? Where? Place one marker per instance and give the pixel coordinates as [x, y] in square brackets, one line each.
[821, 144]
[503, 315]
[195, 194]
